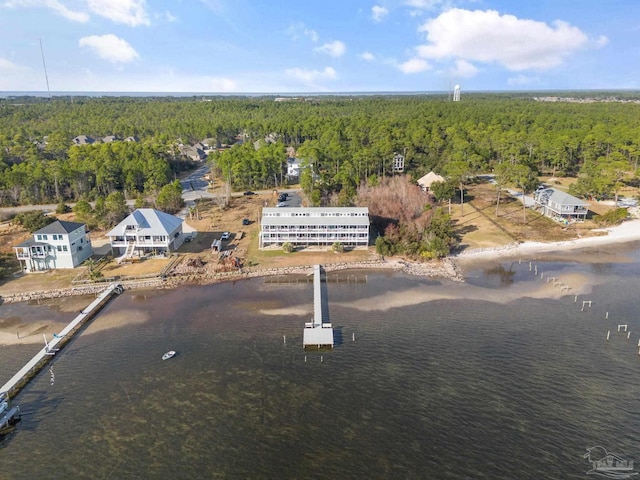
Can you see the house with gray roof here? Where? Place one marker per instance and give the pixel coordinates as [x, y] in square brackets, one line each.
[58, 245]
[83, 140]
[193, 152]
[146, 231]
[314, 226]
[557, 204]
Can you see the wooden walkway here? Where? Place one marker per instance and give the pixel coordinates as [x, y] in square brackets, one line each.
[33, 366]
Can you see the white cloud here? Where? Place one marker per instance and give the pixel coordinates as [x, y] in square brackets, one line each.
[296, 30]
[414, 65]
[368, 56]
[333, 49]
[601, 41]
[221, 84]
[128, 12]
[17, 77]
[310, 77]
[7, 66]
[216, 6]
[488, 37]
[424, 4]
[312, 34]
[521, 80]
[110, 47]
[54, 5]
[167, 16]
[464, 69]
[378, 13]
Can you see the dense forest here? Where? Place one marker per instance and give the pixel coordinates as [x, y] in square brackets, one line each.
[344, 143]
[346, 140]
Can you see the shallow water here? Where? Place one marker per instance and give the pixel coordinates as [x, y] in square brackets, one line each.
[482, 381]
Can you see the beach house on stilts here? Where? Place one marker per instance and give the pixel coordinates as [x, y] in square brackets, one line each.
[146, 232]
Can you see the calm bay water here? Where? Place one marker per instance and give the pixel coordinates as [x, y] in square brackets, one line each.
[493, 379]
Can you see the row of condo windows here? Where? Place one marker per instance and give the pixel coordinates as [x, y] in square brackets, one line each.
[314, 235]
[285, 228]
[146, 238]
[314, 214]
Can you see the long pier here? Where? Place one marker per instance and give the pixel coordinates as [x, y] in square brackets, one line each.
[33, 366]
[319, 332]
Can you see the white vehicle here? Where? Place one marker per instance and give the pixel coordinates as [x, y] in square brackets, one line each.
[281, 204]
[225, 236]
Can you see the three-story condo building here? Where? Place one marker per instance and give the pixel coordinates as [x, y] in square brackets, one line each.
[315, 226]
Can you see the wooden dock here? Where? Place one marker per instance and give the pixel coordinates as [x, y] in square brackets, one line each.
[319, 332]
[33, 366]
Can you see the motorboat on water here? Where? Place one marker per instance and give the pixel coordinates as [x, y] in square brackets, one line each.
[168, 355]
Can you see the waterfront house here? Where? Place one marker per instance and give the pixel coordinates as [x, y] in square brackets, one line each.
[146, 231]
[560, 205]
[58, 245]
[315, 226]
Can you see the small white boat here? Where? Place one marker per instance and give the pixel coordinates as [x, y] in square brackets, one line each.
[168, 355]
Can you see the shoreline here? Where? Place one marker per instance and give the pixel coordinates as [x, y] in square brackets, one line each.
[451, 268]
[628, 231]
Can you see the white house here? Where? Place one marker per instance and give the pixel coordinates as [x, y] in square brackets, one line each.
[293, 167]
[557, 204]
[146, 231]
[315, 226]
[58, 245]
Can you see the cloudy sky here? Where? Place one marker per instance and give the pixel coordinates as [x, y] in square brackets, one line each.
[291, 46]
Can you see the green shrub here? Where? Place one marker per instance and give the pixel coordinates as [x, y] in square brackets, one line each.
[287, 247]
[612, 217]
[337, 247]
[34, 220]
[62, 208]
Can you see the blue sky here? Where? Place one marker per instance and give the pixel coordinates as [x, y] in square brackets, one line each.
[319, 46]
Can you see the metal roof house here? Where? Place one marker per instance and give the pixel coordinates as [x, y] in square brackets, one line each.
[314, 226]
[58, 245]
[146, 231]
[555, 203]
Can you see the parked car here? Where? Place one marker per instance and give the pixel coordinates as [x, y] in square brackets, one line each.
[281, 204]
[249, 192]
[245, 221]
[225, 236]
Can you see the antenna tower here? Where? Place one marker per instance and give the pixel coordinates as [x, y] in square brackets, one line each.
[46, 77]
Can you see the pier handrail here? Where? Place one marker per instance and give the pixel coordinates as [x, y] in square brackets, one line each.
[39, 359]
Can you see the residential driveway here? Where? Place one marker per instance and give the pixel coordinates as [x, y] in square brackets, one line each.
[528, 201]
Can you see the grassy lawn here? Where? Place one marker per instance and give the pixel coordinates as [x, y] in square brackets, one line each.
[479, 227]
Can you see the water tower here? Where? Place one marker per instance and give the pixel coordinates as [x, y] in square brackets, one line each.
[456, 93]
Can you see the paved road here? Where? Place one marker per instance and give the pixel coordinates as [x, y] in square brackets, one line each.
[194, 187]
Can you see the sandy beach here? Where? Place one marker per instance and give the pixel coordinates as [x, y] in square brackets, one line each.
[626, 232]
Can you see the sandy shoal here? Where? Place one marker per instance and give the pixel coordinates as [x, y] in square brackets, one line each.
[626, 232]
[31, 332]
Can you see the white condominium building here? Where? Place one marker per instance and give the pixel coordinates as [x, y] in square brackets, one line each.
[315, 226]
